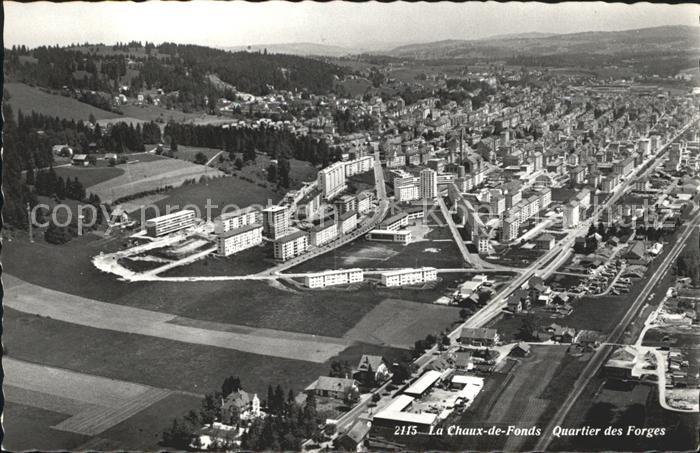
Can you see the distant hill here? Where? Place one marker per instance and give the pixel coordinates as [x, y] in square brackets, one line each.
[299, 48]
[657, 39]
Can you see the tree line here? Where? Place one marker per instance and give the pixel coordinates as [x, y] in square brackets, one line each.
[274, 142]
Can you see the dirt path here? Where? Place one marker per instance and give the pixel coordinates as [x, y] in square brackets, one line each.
[34, 299]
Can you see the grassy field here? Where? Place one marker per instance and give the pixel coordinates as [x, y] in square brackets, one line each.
[89, 176]
[27, 99]
[397, 322]
[149, 175]
[188, 153]
[252, 260]
[383, 255]
[29, 428]
[220, 192]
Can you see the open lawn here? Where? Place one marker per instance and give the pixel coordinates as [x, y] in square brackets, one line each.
[27, 99]
[382, 255]
[144, 176]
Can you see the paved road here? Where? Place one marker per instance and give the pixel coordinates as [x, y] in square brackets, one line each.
[603, 351]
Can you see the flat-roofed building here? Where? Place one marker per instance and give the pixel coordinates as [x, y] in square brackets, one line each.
[360, 165]
[331, 180]
[406, 188]
[428, 184]
[345, 204]
[158, 226]
[545, 196]
[423, 383]
[364, 202]
[290, 246]
[395, 222]
[238, 239]
[509, 230]
[275, 221]
[571, 214]
[333, 277]
[398, 413]
[402, 236]
[237, 219]
[403, 277]
[309, 204]
[323, 233]
[347, 222]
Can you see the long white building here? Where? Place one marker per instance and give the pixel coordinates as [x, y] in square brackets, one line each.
[333, 277]
[402, 236]
[237, 219]
[403, 277]
[236, 240]
[158, 226]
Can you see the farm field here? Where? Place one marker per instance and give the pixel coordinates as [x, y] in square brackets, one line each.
[145, 176]
[396, 322]
[67, 408]
[89, 176]
[157, 362]
[27, 99]
[36, 300]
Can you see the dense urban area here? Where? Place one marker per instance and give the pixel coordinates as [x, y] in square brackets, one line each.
[213, 250]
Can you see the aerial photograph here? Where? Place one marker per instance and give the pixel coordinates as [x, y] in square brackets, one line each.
[322, 227]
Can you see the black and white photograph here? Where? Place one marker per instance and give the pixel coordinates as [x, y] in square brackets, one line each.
[350, 226]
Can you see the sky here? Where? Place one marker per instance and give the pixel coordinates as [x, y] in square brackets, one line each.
[363, 25]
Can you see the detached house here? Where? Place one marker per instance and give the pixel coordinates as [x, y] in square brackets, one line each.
[371, 370]
[333, 387]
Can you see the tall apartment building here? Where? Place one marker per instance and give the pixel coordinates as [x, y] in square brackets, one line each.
[238, 239]
[510, 227]
[331, 180]
[406, 188]
[428, 184]
[289, 246]
[275, 221]
[237, 219]
[571, 214]
[158, 226]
